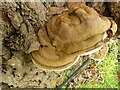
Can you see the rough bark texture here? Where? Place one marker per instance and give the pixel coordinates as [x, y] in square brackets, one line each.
[20, 23]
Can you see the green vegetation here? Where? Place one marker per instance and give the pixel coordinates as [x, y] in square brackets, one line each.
[108, 68]
[118, 44]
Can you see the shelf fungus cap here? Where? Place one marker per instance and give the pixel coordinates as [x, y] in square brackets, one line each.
[77, 32]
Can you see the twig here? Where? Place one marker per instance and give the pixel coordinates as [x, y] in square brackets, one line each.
[80, 70]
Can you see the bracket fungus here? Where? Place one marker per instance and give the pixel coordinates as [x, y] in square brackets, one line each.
[76, 32]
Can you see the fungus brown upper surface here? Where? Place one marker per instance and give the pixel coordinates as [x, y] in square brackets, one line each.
[78, 31]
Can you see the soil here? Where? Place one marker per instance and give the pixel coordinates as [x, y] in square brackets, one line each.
[20, 24]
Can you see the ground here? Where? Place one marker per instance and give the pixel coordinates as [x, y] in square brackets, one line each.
[21, 22]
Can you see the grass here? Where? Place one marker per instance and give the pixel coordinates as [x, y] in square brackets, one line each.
[108, 69]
